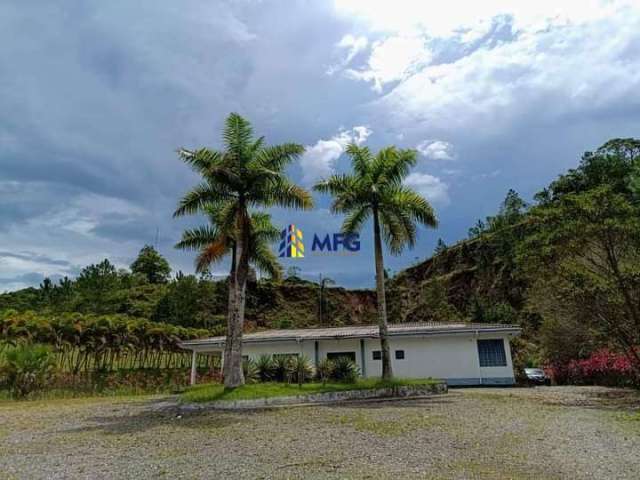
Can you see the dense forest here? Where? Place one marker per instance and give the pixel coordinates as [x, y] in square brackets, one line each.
[566, 267]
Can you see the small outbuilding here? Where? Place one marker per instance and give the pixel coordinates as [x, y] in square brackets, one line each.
[460, 353]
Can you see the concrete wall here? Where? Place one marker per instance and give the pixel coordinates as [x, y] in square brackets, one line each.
[449, 357]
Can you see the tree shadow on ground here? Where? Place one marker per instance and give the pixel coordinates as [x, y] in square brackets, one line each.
[148, 419]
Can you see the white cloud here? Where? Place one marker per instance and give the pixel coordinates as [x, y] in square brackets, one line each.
[319, 160]
[432, 188]
[567, 69]
[436, 150]
[353, 46]
[393, 59]
[465, 17]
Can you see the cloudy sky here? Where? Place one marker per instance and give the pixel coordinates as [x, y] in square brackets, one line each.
[96, 96]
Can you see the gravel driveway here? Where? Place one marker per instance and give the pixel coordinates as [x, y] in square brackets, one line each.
[557, 432]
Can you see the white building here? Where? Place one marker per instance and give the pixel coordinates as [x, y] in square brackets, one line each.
[461, 354]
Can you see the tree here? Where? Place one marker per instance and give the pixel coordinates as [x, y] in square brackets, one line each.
[375, 190]
[440, 247]
[153, 266]
[293, 272]
[634, 181]
[612, 164]
[96, 284]
[246, 175]
[585, 257]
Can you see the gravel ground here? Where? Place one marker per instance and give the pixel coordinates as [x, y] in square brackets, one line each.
[556, 432]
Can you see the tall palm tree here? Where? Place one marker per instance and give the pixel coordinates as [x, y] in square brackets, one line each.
[244, 176]
[376, 190]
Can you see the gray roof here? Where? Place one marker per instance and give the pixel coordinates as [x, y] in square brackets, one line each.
[359, 331]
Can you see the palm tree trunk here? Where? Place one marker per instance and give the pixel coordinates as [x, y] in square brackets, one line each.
[231, 302]
[233, 375]
[387, 373]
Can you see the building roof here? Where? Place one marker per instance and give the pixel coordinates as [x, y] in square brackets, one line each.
[356, 331]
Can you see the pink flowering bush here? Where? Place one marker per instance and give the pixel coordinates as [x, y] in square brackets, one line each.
[603, 367]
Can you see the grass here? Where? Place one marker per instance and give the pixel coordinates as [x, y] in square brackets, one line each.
[70, 393]
[213, 392]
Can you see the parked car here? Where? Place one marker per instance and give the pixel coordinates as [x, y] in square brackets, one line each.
[536, 376]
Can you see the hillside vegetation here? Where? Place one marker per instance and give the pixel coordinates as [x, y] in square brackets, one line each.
[193, 302]
[566, 268]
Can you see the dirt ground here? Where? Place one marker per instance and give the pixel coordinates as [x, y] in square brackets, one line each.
[538, 433]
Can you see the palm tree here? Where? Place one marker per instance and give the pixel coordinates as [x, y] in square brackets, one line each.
[376, 190]
[244, 176]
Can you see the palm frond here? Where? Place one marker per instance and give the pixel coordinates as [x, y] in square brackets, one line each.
[237, 136]
[201, 195]
[277, 157]
[361, 159]
[257, 145]
[392, 165]
[198, 238]
[355, 219]
[263, 229]
[224, 217]
[264, 260]
[212, 253]
[403, 198]
[282, 192]
[201, 160]
[336, 184]
[398, 230]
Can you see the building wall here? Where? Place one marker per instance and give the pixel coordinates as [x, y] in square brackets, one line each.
[450, 357]
[454, 358]
[254, 350]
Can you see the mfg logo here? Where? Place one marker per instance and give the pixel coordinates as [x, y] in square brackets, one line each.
[292, 243]
[335, 242]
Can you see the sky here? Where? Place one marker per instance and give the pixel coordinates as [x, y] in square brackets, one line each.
[96, 97]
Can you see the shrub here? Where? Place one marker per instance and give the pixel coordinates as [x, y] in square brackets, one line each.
[285, 323]
[602, 367]
[250, 370]
[302, 370]
[345, 370]
[27, 368]
[324, 370]
[283, 368]
[266, 368]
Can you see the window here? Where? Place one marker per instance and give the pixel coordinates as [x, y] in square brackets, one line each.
[377, 355]
[399, 354]
[491, 353]
[335, 355]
